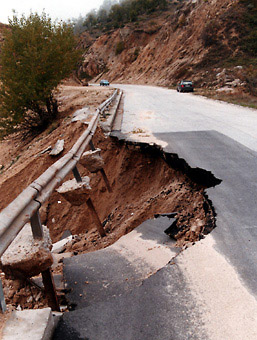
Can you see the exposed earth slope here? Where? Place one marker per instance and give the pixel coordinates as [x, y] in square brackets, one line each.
[207, 41]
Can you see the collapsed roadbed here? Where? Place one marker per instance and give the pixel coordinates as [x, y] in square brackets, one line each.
[145, 182]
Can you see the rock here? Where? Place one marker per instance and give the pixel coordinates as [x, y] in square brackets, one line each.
[27, 255]
[58, 148]
[236, 82]
[226, 89]
[92, 160]
[29, 324]
[75, 193]
[197, 227]
[45, 150]
[59, 246]
[80, 115]
[221, 76]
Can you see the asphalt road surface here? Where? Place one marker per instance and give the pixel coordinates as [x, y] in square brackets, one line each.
[209, 290]
[156, 110]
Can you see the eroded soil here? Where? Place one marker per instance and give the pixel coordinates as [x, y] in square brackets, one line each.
[143, 185]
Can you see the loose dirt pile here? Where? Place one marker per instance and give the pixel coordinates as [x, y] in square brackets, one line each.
[142, 183]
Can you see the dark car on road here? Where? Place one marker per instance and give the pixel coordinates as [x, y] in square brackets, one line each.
[185, 86]
[104, 83]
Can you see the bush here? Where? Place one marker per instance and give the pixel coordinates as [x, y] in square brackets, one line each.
[119, 47]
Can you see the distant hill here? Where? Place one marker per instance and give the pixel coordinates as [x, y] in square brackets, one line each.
[212, 42]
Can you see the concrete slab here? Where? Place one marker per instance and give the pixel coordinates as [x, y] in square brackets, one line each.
[37, 324]
[27, 255]
[92, 160]
[75, 193]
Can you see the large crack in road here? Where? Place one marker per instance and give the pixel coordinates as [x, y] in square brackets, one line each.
[145, 181]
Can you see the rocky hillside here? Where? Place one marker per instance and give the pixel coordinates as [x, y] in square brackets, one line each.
[212, 42]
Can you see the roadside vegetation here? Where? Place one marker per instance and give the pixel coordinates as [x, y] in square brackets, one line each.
[242, 99]
[231, 40]
[35, 56]
[113, 14]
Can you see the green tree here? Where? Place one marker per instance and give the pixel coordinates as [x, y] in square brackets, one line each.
[36, 55]
[91, 20]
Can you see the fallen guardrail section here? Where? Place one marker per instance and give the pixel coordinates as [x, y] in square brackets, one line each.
[25, 208]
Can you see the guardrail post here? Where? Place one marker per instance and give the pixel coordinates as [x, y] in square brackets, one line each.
[2, 300]
[96, 218]
[36, 226]
[50, 290]
[90, 204]
[105, 178]
[77, 174]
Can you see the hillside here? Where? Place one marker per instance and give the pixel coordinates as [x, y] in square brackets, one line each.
[213, 42]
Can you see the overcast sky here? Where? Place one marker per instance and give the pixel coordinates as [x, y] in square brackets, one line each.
[61, 9]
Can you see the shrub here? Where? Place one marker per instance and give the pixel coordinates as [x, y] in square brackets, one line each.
[119, 47]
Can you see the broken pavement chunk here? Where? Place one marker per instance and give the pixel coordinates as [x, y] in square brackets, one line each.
[173, 230]
[26, 255]
[92, 160]
[58, 148]
[76, 193]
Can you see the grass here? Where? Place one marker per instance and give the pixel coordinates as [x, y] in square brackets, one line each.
[237, 99]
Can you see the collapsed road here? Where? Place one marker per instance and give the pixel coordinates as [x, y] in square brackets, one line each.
[209, 290]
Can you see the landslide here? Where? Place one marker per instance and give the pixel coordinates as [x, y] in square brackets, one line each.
[212, 42]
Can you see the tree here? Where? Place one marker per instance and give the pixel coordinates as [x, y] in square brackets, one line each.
[36, 55]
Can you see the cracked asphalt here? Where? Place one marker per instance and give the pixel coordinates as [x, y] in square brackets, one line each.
[209, 290]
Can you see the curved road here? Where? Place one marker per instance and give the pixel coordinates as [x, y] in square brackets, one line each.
[156, 110]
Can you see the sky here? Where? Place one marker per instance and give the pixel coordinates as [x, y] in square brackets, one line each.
[57, 9]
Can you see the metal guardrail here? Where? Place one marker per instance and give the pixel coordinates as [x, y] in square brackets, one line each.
[108, 101]
[25, 208]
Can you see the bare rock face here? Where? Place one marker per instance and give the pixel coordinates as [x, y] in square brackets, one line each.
[75, 193]
[26, 255]
[92, 160]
